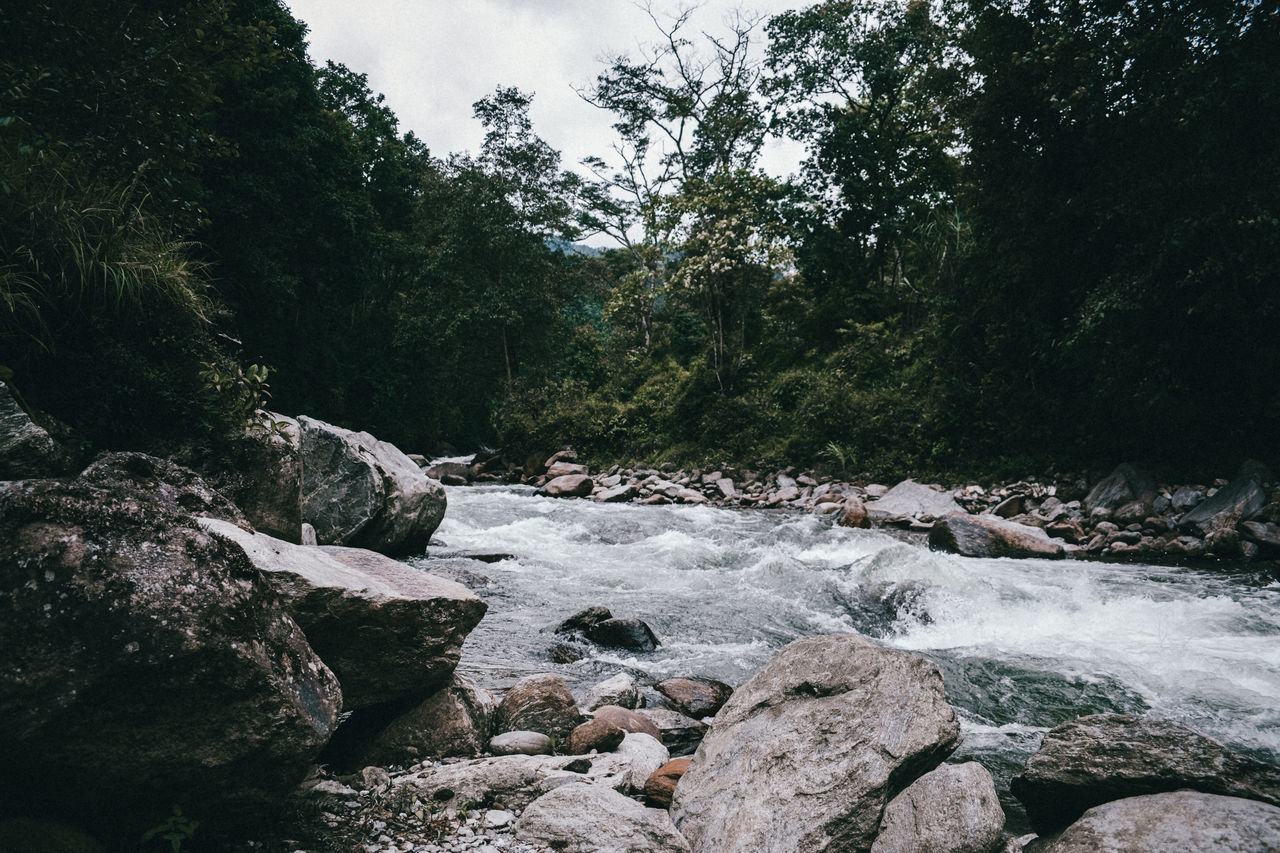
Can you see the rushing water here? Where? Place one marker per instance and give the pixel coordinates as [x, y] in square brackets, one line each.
[1023, 644]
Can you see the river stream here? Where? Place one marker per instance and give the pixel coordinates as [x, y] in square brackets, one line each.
[1022, 644]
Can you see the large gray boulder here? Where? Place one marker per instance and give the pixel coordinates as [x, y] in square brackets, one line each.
[990, 536]
[26, 448]
[146, 661]
[1178, 822]
[1124, 485]
[1104, 757]
[362, 492]
[1240, 500]
[597, 819]
[806, 754]
[261, 473]
[454, 722]
[910, 499]
[389, 632]
[953, 809]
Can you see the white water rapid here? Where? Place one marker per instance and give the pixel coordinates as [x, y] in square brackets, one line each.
[1023, 644]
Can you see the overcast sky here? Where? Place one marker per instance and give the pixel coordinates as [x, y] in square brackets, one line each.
[434, 58]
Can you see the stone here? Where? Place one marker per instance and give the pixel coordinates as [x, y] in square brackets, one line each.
[1263, 533]
[621, 690]
[27, 451]
[1123, 485]
[726, 488]
[953, 809]
[1185, 498]
[910, 499]
[631, 721]
[389, 632]
[643, 754]
[179, 490]
[1179, 821]
[562, 469]
[261, 473]
[520, 743]
[309, 535]
[449, 470]
[453, 722]
[1243, 498]
[630, 634]
[362, 492]
[660, 787]
[590, 818]
[1010, 506]
[570, 486]
[538, 703]
[990, 536]
[679, 733]
[583, 619]
[690, 496]
[498, 819]
[853, 513]
[619, 494]
[1104, 757]
[696, 698]
[807, 754]
[146, 661]
[594, 735]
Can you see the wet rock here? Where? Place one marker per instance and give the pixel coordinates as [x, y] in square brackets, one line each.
[594, 735]
[807, 754]
[953, 809]
[583, 619]
[990, 536]
[679, 733]
[910, 499]
[146, 662]
[452, 722]
[1264, 534]
[1243, 498]
[854, 513]
[621, 690]
[538, 703]
[696, 698]
[1186, 498]
[564, 469]
[619, 494]
[570, 486]
[589, 818]
[660, 787]
[1104, 757]
[1123, 485]
[387, 631]
[1183, 820]
[26, 448]
[630, 634]
[520, 743]
[449, 473]
[362, 492]
[631, 721]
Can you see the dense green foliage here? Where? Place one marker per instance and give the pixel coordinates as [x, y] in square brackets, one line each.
[1025, 232]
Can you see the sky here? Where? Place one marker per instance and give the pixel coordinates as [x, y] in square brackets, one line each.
[433, 59]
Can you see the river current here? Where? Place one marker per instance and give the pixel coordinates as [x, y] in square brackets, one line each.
[1023, 644]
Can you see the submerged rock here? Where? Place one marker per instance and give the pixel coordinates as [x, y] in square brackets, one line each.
[806, 754]
[631, 634]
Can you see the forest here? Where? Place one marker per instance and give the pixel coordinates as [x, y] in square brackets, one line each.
[1027, 233]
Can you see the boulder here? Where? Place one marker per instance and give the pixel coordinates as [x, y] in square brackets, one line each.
[619, 494]
[1240, 500]
[910, 499]
[1267, 535]
[389, 632]
[644, 754]
[630, 634]
[26, 449]
[726, 488]
[1180, 821]
[520, 743]
[660, 787]
[632, 721]
[594, 736]
[621, 690]
[563, 469]
[583, 619]
[679, 733]
[359, 491]
[1123, 485]
[591, 818]
[1185, 498]
[179, 490]
[261, 472]
[696, 698]
[452, 722]
[570, 486]
[459, 473]
[853, 513]
[146, 662]
[1104, 757]
[990, 536]
[953, 809]
[538, 703]
[806, 755]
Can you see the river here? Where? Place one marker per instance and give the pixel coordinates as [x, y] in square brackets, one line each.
[1022, 644]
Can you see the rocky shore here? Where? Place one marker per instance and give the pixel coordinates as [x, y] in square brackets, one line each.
[1125, 516]
[232, 659]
